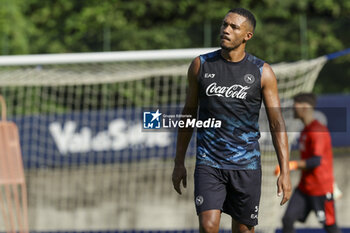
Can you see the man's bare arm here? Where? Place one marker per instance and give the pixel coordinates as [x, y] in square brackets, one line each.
[278, 130]
[184, 135]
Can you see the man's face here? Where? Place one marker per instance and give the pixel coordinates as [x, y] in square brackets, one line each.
[297, 111]
[235, 30]
[300, 109]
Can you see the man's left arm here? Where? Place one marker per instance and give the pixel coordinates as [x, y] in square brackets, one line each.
[317, 143]
[307, 164]
[316, 149]
[278, 130]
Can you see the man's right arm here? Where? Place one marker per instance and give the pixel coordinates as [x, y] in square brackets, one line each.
[278, 130]
[185, 134]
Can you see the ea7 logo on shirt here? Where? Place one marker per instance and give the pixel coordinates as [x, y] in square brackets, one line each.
[249, 78]
[207, 75]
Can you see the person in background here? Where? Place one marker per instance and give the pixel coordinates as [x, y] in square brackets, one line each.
[230, 84]
[315, 189]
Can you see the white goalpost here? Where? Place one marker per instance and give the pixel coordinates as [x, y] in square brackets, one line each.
[89, 165]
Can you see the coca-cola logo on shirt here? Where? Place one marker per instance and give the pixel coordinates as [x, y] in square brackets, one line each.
[235, 91]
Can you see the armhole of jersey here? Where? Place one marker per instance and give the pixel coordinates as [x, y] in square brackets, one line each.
[258, 62]
[202, 60]
[260, 65]
[261, 69]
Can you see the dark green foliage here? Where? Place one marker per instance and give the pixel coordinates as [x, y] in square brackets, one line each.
[60, 26]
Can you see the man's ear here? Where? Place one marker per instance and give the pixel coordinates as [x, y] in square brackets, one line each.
[248, 36]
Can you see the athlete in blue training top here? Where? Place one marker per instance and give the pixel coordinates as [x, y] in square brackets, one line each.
[229, 85]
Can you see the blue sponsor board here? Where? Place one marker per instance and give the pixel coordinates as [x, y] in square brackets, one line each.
[337, 120]
[334, 112]
[119, 135]
[90, 137]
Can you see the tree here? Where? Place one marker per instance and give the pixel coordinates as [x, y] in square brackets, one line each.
[286, 30]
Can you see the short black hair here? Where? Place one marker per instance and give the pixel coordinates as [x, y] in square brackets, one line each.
[247, 14]
[309, 98]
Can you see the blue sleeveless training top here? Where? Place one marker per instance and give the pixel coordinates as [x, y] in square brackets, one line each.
[230, 92]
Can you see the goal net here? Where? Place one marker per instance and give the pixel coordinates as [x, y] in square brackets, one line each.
[88, 163]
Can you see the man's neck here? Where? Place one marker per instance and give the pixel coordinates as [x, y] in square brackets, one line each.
[234, 55]
[308, 119]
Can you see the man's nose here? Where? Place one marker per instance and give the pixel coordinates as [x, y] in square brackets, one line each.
[225, 30]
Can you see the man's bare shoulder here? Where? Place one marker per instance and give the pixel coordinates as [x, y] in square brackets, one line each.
[268, 76]
[267, 69]
[194, 68]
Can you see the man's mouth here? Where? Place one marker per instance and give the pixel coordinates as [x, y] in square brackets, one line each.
[223, 37]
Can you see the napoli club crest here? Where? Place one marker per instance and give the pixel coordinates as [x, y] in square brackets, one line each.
[199, 200]
[249, 78]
